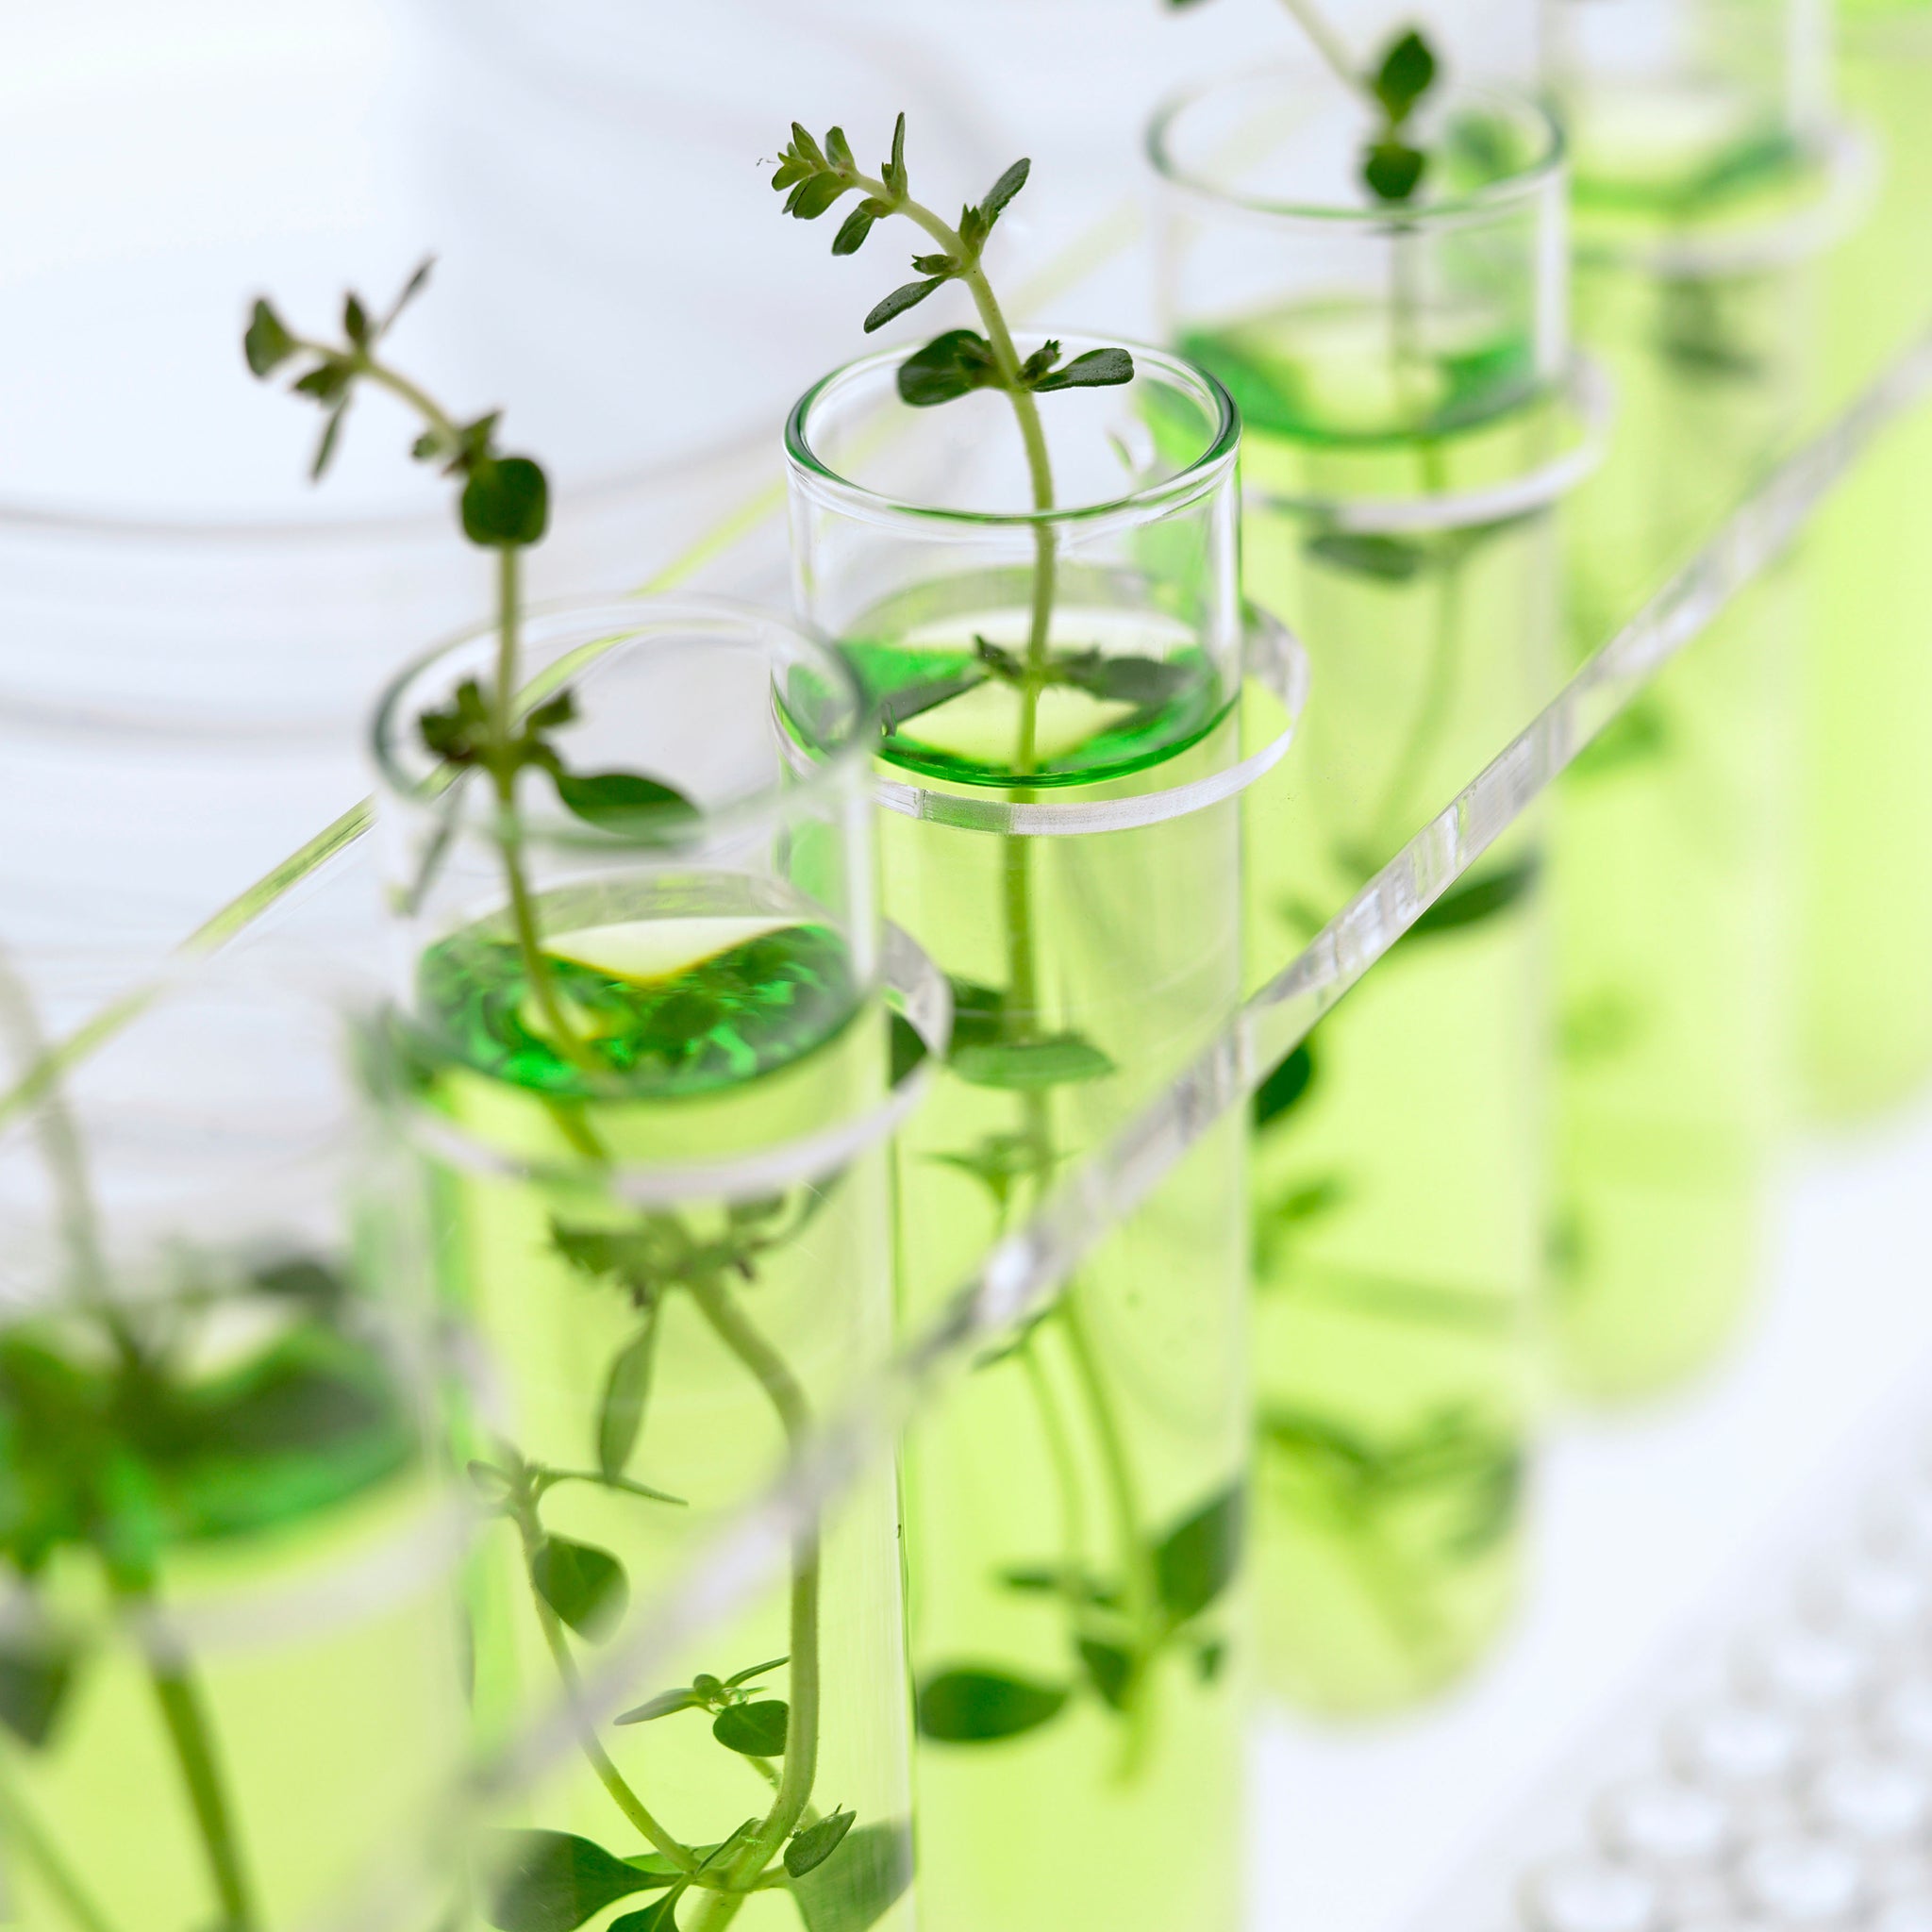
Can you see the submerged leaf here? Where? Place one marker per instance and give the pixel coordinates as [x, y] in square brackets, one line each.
[754, 1730]
[550, 1881]
[866, 1875]
[1473, 901]
[1195, 1562]
[35, 1678]
[1388, 560]
[1109, 1669]
[811, 1847]
[584, 1585]
[1287, 1087]
[976, 1706]
[1060, 1059]
[621, 1414]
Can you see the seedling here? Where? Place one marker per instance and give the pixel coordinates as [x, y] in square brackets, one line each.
[1158, 1586]
[504, 506]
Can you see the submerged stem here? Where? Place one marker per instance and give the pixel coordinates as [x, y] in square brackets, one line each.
[37, 1849]
[1137, 1563]
[613, 1780]
[195, 1751]
[729, 1324]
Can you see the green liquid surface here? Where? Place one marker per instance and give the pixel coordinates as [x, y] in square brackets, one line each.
[1398, 1181]
[1126, 691]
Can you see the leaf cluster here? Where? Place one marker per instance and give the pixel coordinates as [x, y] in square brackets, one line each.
[505, 501]
[743, 1718]
[115, 1445]
[817, 174]
[1194, 1564]
[842, 1879]
[465, 734]
[1394, 167]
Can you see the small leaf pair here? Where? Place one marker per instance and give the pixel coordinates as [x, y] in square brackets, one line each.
[961, 361]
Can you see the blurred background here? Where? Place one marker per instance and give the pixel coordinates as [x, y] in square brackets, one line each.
[191, 634]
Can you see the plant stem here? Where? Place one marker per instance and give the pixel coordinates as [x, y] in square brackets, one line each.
[793, 1796]
[523, 912]
[1329, 45]
[609, 1775]
[37, 1849]
[1137, 1563]
[188, 1732]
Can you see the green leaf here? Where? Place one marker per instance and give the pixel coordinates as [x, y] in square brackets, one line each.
[355, 321]
[549, 1881]
[1096, 369]
[621, 801]
[1473, 901]
[1287, 1087]
[325, 449]
[1060, 1059]
[327, 383]
[505, 502]
[1407, 73]
[812, 197]
[584, 1585]
[419, 278]
[811, 1847]
[893, 173]
[906, 1047]
[266, 344]
[35, 1678]
[909, 295]
[948, 367]
[839, 151]
[666, 1704]
[621, 1414]
[1390, 559]
[974, 1706]
[1003, 191]
[1149, 683]
[1195, 1562]
[1393, 171]
[857, 226]
[1109, 1669]
[754, 1730]
[302, 1278]
[999, 1163]
[660, 1916]
[745, 1676]
[860, 1883]
[978, 1012]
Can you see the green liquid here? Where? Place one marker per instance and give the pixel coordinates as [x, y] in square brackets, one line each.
[1673, 841]
[1397, 1174]
[252, 1451]
[1073, 1506]
[1866, 1024]
[682, 1350]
